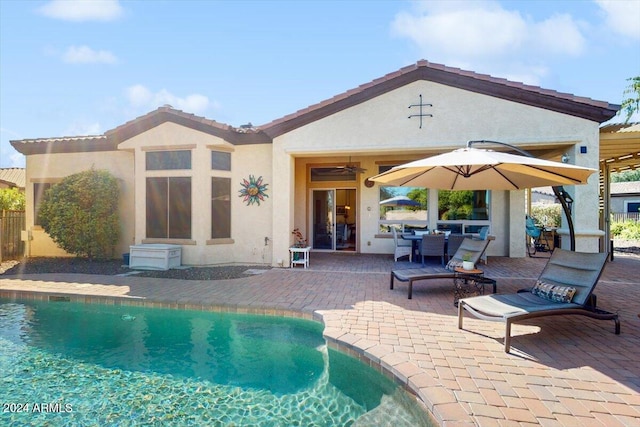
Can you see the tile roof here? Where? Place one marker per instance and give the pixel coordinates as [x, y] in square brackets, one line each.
[620, 128]
[544, 190]
[167, 113]
[565, 103]
[111, 138]
[65, 144]
[13, 177]
[599, 111]
[628, 187]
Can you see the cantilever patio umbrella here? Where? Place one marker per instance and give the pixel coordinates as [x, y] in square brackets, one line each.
[399, 201]
[471, 168]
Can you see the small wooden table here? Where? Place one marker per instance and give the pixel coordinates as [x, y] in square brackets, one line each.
[468, 283]
[299, 256]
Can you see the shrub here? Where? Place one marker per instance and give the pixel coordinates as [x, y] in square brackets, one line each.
[548, 215]
[81, 214]
[11, 199]
[627, 230]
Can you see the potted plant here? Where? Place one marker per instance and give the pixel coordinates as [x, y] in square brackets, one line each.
[467, 264]
[299, 240]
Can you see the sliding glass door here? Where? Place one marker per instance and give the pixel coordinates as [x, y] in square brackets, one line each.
[333, 219]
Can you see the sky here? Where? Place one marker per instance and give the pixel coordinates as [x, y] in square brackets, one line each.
[83, 67]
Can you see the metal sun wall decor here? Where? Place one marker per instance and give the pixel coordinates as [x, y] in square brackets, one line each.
[253, 191]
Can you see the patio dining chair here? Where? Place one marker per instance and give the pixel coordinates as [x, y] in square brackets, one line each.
[538, 240]
[432, 245]
[402, 247]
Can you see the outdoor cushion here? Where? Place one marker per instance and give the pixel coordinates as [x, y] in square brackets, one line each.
[453, 263]
[552, 292]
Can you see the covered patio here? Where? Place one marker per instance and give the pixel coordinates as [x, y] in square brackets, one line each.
[567, 370]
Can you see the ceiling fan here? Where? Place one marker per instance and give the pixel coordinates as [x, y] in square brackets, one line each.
[350, 168]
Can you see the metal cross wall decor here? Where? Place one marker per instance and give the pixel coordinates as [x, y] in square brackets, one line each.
[421, 114]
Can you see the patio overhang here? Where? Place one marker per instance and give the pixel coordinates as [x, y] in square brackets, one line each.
[619, 151]
[620, 147]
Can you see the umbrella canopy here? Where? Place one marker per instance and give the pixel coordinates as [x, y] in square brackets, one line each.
[479, 169]
[399, 201]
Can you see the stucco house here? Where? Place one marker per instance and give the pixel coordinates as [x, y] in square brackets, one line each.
[625, 200]
[229, 194]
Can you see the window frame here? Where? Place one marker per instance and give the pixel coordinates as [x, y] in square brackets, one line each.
[227, 208]
[227, 156]
[178, 208]
[162, 160]
[38, 195]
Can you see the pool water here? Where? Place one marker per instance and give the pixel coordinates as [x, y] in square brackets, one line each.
[65, 363]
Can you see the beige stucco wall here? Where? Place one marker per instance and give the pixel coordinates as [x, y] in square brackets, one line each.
[380, 130]
[250, 226]
[53, 168]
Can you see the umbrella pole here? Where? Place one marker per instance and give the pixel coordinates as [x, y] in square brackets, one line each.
[562, 196]
[557, 190]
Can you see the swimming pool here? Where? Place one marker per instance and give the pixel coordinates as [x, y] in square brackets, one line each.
[68, 363]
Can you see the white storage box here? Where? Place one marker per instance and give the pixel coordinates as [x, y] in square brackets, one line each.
[155, 256]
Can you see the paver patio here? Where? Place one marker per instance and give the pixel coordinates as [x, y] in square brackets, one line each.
[562, 371]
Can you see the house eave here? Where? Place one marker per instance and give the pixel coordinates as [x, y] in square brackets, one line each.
[63, 145]
[112, 138]
[201, 124]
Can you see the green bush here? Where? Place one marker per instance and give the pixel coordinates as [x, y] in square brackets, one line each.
[11, 199]
[81, 214]
[549, 215]
[627, 230]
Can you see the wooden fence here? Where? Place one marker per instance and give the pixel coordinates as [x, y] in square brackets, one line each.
[11, 225]
[625, 216]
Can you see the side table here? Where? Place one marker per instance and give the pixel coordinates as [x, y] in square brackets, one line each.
[299, 256]
[468, 283]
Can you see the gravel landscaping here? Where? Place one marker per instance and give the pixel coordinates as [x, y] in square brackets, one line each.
[115, 267]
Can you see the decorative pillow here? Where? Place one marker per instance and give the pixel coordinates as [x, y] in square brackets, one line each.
[553, 293]
[453, 263]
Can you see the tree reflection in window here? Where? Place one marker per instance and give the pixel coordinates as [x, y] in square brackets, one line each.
[470, 205]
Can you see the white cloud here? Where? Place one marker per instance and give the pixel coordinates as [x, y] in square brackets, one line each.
[469, 32]
[481, 29]
[82, 10]
[486, 37]
[559, 34]
[140, 96]
[623, 17]
[86, 55]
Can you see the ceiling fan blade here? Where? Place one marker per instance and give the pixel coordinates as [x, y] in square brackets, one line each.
[355, 169]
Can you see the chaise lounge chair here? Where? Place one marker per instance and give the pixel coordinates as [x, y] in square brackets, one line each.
[565, 286]
[475, 248]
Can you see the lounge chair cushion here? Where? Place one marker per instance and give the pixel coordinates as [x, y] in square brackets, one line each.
[507, 305]
[453, 263]
[553, 292]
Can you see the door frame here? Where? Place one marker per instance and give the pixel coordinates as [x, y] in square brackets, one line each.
[311, 211]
